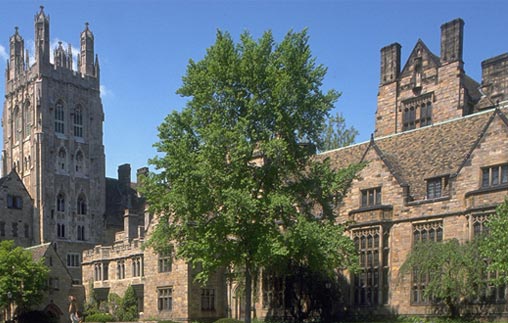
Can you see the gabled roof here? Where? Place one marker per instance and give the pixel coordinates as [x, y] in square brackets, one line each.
[420, 154]
[425, 52]
[13, 175]
[39, 251]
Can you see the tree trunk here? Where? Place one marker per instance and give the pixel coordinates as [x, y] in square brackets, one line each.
[248, 293]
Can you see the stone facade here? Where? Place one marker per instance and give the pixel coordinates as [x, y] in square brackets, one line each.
[429, 89]
[164, 286]
[437, 166]
[52, 126]
[16, 211]
[59, 284]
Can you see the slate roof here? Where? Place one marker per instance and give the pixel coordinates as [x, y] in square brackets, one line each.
[420, 154]
[118, 198]
[39, 251]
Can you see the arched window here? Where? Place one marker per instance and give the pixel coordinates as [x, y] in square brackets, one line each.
[60, 202]
[81, 205]
[78, 122]
[17, 124]
[61, 160]
[59, 117]
[28, 118]
[79, 162]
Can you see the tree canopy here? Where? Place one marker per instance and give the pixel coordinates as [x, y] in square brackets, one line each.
[495, 243]
[22, 278]
[451, 271]
[336, 134]
[236, 185]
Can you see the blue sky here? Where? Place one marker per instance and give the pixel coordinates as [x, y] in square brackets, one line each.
[144, 48]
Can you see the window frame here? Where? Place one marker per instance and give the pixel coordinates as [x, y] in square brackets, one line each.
[73, 260]
[371, 197]
[494, 176]
[207, 299]
[165, 262]
[59, 117]
[165, 299]
[423, 231]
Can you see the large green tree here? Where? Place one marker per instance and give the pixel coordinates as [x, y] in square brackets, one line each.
[336, 134]
[451, 271]
[495, 243]
[22, 280]
[236, 185]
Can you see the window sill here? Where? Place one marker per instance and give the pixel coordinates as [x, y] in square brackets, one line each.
[433, 200]
[490, 189]
[372, 208]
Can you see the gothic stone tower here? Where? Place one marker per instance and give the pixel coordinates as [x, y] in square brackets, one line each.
[52, 131]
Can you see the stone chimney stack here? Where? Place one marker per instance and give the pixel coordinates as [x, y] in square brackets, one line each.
[452, 36]
[130, 225]
[141, 174]
[390, 63]
[124, 175]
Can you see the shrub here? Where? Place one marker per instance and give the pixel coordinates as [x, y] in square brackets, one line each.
[228, 320]
[129, 306]
[36, 316]
[99, 317]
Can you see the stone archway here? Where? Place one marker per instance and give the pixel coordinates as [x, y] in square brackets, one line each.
[53, 310]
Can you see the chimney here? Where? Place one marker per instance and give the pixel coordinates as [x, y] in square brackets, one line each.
[124, 175]
[452, 34]
[130, 225]
[390, 63]
[141, 173]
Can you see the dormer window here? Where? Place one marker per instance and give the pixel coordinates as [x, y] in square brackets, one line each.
[436, 187]
[371, 197]
[495, 175]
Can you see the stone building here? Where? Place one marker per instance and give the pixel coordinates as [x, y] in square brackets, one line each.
[52, 131]
[16, 211]
[163, 285]
[437, 167]
[59, 285]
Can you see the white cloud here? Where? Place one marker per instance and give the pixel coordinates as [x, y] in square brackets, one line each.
[3, 53]
[105, 91]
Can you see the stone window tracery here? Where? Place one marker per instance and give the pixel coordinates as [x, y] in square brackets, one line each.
[59, 117]
[17, 124]
[79, 162]
[417, 112]
[28, 118]
[81, 232]
[428, 231]
[60, 202]
[120, 269]
[62, 160]
[371, 283]
[81, 205]
[78, 122]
